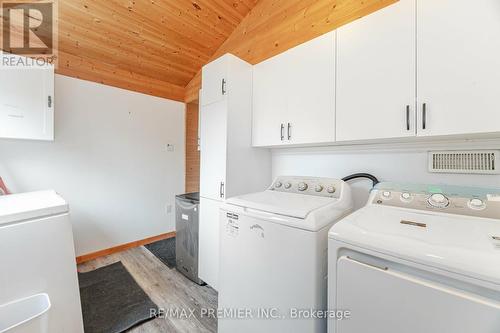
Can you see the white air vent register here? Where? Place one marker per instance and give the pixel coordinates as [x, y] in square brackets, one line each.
[473, 161]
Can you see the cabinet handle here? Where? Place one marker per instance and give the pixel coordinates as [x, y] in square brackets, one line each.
[49, 101]
[222, 190]
[407, 117]
[289, 131]
[424, 116]
[223, 86]
[282, 132]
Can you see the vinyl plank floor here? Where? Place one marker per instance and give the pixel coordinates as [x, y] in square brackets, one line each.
[169, 289]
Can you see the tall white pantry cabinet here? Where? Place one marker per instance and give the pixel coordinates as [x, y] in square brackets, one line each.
[229, 165]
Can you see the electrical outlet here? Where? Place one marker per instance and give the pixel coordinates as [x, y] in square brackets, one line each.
[170, 147]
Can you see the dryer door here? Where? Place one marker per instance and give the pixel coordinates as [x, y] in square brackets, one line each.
[384, 300]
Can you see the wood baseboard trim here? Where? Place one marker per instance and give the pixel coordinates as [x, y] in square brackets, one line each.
[123, 247]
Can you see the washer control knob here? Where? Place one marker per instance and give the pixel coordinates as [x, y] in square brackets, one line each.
[288, 185]
[476, 204]
[302, 187]
[386, 194]
[405, 196]
[278, 184]
[439, 200]
[318, 188]
[331, 189]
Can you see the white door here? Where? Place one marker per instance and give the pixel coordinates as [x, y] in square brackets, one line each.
[269, 102]
[214, 80]
[458, 69]
[384, 300]
[213, 136]
[27, 103]
[376, 75]
[311, 91]
[208, 256]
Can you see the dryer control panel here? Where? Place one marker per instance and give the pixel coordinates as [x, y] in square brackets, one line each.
[324, 187]
[468, 201]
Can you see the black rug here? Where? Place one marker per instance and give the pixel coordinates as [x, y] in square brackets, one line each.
[112, 301]
[164, 250]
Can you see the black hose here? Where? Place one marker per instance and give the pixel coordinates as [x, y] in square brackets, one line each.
[362, 175]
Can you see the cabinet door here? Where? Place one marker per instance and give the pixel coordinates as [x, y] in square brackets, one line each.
[310, 84]
[458, 66]
[214, 80]
[269, 102]
[208, 259]
[376, 75]
[27, 103]
[213, 133]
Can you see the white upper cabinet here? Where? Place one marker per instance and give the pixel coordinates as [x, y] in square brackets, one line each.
[27, 102]
[269, 102]
[294, 95]
[311, 91]
[458, 68]
[376, 75]
[214, 81]
[415, 68]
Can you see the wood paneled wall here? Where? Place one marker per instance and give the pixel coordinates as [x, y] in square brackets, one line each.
[192, 152]
[274, 26]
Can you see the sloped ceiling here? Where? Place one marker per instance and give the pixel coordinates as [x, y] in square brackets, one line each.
[158, 47]
[151, 46]
[274, 26]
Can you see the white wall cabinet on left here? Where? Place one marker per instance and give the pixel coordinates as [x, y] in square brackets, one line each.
[27, 102]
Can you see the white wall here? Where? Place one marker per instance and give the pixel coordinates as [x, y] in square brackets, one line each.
[109, 161]
[402, 165]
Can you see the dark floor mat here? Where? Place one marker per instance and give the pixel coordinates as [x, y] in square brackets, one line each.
[112, 301]
[164, 250]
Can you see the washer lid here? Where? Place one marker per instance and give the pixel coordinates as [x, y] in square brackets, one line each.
[464, 245]
[27, 206]
[282, 203]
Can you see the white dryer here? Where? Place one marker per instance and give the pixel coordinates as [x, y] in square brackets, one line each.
[273, 258]
[418, 259]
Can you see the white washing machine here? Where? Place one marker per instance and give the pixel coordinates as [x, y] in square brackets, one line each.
[418, 259]
[273, 259]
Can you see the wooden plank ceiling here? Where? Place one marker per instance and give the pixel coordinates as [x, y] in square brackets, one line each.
[151, 46]
[274, 26]
[158, 47]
